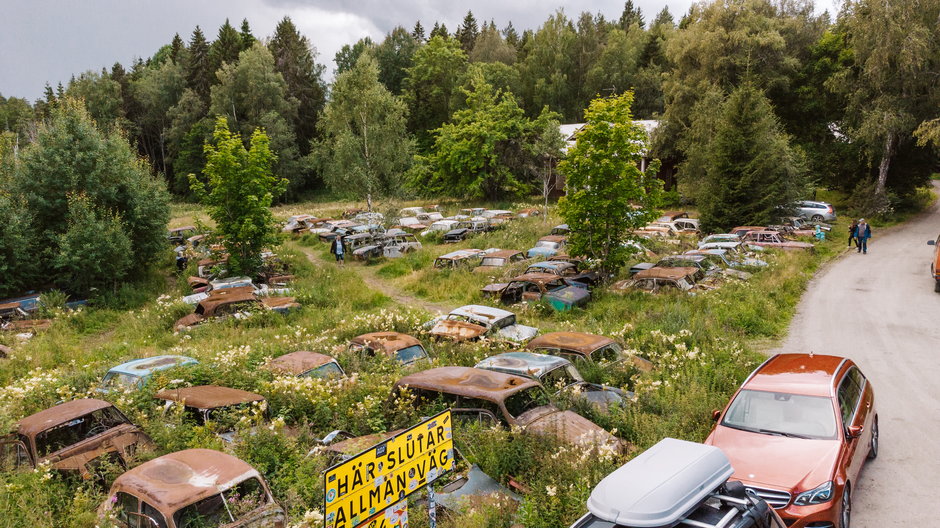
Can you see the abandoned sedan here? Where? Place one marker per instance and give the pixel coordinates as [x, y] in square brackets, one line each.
[495, 398]
[555, 374]
[577, 346]
[73, 437]
[134, 374]
[396, 243]
[655, 280]
[568, 269]
[457, 235]
[547, 246]
[560, 293]
[195, 487]
[363, 246]
[394, 345]
[475, 321]
[211, 403]
[502, 258]
[233, 302]
[773, 240]
[461, 257]
[304, 364]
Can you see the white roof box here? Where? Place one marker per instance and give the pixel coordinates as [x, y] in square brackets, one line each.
[660, 486]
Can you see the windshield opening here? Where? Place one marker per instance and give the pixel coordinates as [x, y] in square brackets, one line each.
[561, 377]
[329, 370]
[79, 429]
[526, 400]
[120, 380]
[227, 507]
[782, 413]
[411, 354]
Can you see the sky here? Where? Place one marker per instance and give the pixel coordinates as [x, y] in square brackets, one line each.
[51, 40]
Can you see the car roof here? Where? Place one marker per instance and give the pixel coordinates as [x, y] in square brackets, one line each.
[552, 264]
[146, 366]
[503, 253]
[53, 416]
[184, 477]
[461, 253]
[661, 486]
[553, 238]
[184, 228]
[578, 341]
[525, 364]
[686, 256]
[389, 342]
[806, 374]
[666, 273]
[213, 301]
[208, 396]
[358, 444]
[476, 311]
[467, 381]
[537, 278]
[298, 362]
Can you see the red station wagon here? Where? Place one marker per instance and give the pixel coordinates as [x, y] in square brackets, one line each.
[798, 432]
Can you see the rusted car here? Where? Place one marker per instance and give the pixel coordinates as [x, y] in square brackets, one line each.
[529, 212]
[670, 216]
[134, 374]
[474, 321]
[205, 403]
[232, 302]
[556, 374]
[74, 436]
[459, 258]
[304, 364]
[656, 280]
[547, 246]
[362, 246]
[440, 226]
[397, 243]
[178, 235]
[457, 235]
[560, 293]
[742, 231]
[578, 347]
[296, 224]
[569, 269]
[498, 217]
[773, 240]
[496, 260]
[192, 488]
[337, 228]
[560, 229]
[495, 398]
[402, 348]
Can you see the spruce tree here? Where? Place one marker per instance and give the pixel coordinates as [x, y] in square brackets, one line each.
[295, 59]
[248, 39]
[198, 66]
[439, 30]
[418, 32]
[631, 15]
[226, 47]
[511, 35]
[467, 32]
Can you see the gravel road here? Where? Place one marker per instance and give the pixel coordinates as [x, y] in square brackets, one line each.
[880, 309]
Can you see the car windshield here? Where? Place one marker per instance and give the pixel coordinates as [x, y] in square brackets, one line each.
[780, 413]
[410, 354]
[546, 244]
[120, 381]
[227, 507]
[560, 377]
[526, 400]
[81, 428]
[326, 371]
[493, 261]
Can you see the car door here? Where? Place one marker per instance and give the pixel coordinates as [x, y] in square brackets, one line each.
[14, 455]
[853, 413]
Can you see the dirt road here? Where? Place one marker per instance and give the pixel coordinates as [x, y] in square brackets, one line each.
[880, 309]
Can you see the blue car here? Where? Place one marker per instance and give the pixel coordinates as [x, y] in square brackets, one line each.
[547, 246]
[134, 374]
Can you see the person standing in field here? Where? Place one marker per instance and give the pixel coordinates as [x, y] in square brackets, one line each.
[862, 234]
[337, 249]
[852, 229]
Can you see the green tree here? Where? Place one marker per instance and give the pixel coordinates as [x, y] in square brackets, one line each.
[365, 147]
[631, 16]
[102, 97]
[226, 47]
[239, 191]
[157, 90]
[604, 184]
[418, 33]
[248, 40]
[467, 32]
[16, 116]
[491, 47]
[394, 56]
[199, 72]
[439, 30]
[17, 244]
[94, 251]
[177, 49]
[547, 68]
[432, 86]
[750, 168]
[188, 131]
[490, 149]
[347, 56]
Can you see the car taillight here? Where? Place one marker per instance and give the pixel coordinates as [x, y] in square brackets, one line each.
[829, 209]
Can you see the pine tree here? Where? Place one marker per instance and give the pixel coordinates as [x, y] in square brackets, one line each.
[226, 47]
[631, 15]
[176, 48]
[248, 39]
[467, 32]
[418, 32]
[511, 35]
[439, 30]
[198, 65]
[664, 18]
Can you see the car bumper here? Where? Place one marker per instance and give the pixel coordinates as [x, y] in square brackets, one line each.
[816, 516]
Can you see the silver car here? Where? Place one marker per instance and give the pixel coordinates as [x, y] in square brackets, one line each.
[815, 211]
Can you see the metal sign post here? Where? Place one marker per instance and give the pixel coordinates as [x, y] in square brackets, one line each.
[432, 508]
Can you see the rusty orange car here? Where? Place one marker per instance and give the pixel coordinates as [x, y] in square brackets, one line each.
[935, 263]
[798, 432]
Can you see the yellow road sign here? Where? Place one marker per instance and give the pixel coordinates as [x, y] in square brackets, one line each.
[395, 516]
[361, 487]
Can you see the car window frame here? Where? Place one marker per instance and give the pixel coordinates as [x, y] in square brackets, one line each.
[860, 391]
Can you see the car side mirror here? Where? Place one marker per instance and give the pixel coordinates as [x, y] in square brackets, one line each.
[716, 414]
[931, 242]
[855, 431]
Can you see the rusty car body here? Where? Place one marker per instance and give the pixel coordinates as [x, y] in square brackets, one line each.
[569, 269]
[73, 437]
[133, 374]
[773, 240]
[461, 257]
[475, 321]
[496, 260]
[577, 346]
[397, 243]
[363, 246]
[495, 398]
[207, 403]
[305, 364]
[402, 348]
[654, 280]
[231, 302]
[194, 487]
[560, 293]
[178, 235]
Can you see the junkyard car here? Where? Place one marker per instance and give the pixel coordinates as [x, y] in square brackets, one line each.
[304, 364]
[560, 293]
[675, 484]
[296, 224]
[728, 260]
[441, 226]
[492, 262]
[555, 374]
[475, 321]
[337, 228]
[709, 265]
[498, 217]
[547, 246]
[935, 263]
[654, 280]
[402, 348]
[817, 415]
[577, 346]
[232, 302]
[560, 229]
[568, 269]
[495, 398]
[529, 212]
[73, 437]
[719, 237]
[773, 240]
[178, 235]
[363, 246]
[397, 243]
[192, 488]
[461, 257]
[457, 235]
[134, 374]
[211, 403]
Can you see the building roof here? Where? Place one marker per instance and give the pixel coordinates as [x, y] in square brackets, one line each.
[466, 381]
[666, 273]
[581, 342]
[297, 363]
[53, 416]
[146, 366]
[184, 477]
[208, 396]
[810, 375]
[525, 364]
[389, 342]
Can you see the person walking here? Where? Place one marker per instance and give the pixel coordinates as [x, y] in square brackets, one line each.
[862, 234]
[337, 249]
[852, 229]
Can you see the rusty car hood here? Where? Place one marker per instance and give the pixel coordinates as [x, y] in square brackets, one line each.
[457, 330]
[567, 426]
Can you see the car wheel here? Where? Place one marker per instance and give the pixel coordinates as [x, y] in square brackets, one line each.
[845, 518]
[817, 218]
[873, 450]
[936, 287]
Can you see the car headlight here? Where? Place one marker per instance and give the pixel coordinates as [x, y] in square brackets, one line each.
[815, 496]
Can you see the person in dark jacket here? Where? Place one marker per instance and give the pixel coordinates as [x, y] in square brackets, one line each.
[862, 234]
[338, 249]
[852, 229]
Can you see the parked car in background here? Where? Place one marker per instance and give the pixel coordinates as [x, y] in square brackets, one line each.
[577, 347]
[363, 246]
[73, 437]
[560, 293]
[233, 302]
[211, 403]
[670, 216]
[560, 229]
[190, 488]
[815, 211]
[547, 246]
[656, 280]
[442, 226]
[720, 237]
[474, 321]
[529, 212]
[134, 374]
[461, 257]
[498, 259]
[935, 263]
[798, 432]
[457, 235]
[399, 347]
[494, 398]
[676, 484]
[304, 364]
[742, 231]
[396, 243]
[178, 235]
[569, 269]
[555, 374]
[773, 240]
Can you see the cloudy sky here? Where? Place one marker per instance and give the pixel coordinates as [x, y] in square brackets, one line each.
[49, 40]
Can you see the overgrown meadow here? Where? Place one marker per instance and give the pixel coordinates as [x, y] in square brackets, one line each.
[702, 347]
